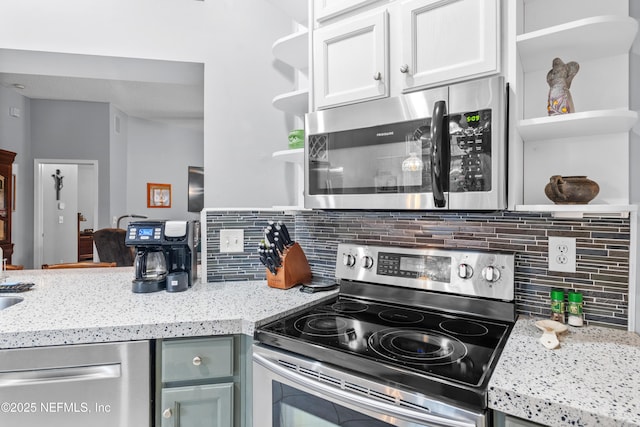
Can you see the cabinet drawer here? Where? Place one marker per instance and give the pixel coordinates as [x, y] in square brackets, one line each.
[197, 359]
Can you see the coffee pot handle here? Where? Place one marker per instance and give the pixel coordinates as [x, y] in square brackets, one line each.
[140, 264]
[555, 181]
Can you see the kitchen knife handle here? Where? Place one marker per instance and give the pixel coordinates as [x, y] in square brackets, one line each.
[285, 234]
[439, 154]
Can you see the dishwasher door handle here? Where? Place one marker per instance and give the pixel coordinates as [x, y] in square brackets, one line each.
[75, 373]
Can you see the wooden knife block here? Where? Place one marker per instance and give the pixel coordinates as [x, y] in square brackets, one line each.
[294, 269]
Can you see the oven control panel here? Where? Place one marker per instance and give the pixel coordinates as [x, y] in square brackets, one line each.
[463, 272]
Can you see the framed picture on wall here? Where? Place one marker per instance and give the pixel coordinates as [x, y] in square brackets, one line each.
[158, 195]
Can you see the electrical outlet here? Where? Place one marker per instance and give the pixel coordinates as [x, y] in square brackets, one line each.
[231, 240]
[562, 254]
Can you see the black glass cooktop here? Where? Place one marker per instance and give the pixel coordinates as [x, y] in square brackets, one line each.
[400, 340]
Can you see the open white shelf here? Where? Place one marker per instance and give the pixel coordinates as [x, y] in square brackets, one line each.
[296, 102]
[581, 40]
[580, 211]
[293, 49]
[295, 155]
[585, 123]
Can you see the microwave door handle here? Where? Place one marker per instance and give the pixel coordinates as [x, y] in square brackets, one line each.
[439, 154]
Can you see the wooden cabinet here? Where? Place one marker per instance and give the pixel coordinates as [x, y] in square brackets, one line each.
[199, 382]
[445, 41]
[351, 60]
[6, 203]
[592, 141]
[401, 46]
[85, 246]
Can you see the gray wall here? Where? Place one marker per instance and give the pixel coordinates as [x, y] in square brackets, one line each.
[119, 163]
[74, 130]
[14, 136]
[159, 153]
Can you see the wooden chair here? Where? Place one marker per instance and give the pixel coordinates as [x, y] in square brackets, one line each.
[14, 267]
[78, 265]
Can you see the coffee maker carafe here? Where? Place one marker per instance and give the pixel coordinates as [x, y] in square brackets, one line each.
[150, 270]
[165, 255]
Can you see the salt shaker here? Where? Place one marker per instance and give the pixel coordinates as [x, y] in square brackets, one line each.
[557, 305]
[574, 308]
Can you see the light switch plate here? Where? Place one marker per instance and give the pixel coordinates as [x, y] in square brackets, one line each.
[231, 241]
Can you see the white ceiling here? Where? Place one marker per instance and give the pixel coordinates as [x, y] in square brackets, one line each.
[150, 89]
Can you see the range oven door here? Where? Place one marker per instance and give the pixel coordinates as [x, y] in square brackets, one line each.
[441, 148]
[292, 391]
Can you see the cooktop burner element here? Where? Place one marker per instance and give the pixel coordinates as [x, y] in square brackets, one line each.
[349, 307]
[417, 346]
[464, 327]
[400, 316]
[430, 321]
[322, 325]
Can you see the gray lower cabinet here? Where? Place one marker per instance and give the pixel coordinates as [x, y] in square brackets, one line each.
[202, 406]
[200, 382]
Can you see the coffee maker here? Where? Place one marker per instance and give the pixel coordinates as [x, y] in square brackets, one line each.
[165, 255]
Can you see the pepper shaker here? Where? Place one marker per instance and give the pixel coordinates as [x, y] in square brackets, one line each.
[557, 305]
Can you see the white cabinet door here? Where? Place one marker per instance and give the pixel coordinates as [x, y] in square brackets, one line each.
[448, 40]
[350, 60]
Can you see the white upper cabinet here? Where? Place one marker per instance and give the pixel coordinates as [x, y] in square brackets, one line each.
[351, 60]
[368, 49]
[444, 40]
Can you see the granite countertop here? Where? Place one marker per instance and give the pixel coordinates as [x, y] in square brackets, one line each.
[592, 379]
[97, 305]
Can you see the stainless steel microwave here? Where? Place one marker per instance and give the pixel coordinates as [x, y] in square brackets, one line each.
[442, 148]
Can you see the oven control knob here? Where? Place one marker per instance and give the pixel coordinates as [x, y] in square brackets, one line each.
[465, 271]
[367, 262]
[491, 273]
[348, 260]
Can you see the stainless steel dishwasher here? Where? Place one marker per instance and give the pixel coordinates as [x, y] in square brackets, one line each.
[76, 385]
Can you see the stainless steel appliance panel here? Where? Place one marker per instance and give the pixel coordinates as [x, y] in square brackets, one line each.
[356, 161]
[373, 403]
[97, 385]
[442, 148]
[486, 94]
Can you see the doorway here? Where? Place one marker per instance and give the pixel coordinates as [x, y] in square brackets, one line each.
[65, 202]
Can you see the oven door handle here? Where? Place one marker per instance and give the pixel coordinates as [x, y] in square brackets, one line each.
[359, 401]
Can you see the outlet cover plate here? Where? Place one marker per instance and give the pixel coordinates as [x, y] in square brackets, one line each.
[562, 254]
[231, 241]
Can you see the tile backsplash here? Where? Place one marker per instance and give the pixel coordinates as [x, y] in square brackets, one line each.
[602, 248]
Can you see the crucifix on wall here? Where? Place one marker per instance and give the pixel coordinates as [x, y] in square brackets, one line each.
[58, 183]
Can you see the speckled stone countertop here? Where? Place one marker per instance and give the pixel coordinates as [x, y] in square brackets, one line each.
[97, 305]
[592, 379]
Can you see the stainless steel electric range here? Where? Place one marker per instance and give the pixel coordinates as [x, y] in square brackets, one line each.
[411, 340]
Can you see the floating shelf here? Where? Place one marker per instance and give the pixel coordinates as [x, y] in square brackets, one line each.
[580, 211]
[293, 49]
[595, 122]
[295, 155]
[296, 102]
[581, 40]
